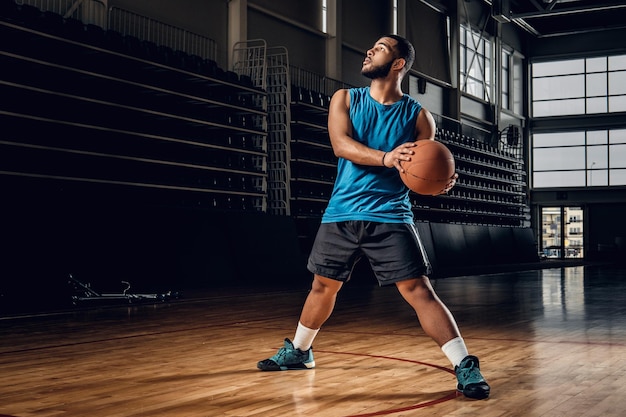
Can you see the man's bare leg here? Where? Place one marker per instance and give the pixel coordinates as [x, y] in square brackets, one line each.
[434, 316]
[317, 309]
[439, 324]
[320, 302]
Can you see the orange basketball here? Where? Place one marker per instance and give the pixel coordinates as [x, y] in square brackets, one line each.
[430, 168]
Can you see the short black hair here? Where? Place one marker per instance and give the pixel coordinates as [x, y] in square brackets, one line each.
[405, 50]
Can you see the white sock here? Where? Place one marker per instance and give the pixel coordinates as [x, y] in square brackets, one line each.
[304, 337]
[455, 350]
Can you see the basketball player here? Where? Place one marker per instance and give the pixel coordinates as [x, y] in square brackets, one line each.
[369, 214]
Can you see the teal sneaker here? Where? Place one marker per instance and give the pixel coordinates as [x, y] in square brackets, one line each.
[288, 358]
[471, 382]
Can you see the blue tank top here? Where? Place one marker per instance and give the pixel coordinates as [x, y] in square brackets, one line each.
[374, 193]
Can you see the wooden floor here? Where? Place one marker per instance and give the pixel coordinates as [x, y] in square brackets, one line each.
[552, 343]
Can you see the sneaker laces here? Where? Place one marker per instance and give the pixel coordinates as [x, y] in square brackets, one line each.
[282, 352]
[470, 373]
[288, 355]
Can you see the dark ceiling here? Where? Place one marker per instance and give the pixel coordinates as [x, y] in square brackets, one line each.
[561, 17]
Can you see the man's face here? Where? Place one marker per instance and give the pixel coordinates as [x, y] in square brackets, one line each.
[379, 59]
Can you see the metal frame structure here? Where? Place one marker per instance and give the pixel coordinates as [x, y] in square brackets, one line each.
[84, 293]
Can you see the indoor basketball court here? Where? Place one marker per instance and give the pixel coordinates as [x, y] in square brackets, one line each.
[552, 342]
[165, 167]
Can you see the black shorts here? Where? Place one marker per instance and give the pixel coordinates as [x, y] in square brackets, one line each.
[394, 250]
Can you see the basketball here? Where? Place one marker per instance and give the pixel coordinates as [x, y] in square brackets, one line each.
[430, 168]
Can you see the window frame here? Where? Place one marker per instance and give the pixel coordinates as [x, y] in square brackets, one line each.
[472, 84]
[591, 100]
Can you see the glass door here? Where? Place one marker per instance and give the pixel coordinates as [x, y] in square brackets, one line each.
[551, 232]
[562, 232]
[573, 233]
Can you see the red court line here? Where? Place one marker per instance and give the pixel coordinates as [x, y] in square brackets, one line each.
[448, 397]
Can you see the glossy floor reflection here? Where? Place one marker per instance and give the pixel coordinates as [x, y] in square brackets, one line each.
[552, 343]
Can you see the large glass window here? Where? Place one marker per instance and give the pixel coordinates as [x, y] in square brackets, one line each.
[589, 158]
[584, 158]
[579, 86]
[476, 63]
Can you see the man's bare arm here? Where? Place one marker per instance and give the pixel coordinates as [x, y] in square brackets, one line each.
[344, 146]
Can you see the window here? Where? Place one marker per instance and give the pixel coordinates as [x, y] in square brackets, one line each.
[476, 61]
[589, 158]
[582, 86]
[506, 74]
[518, 85]
[579, 86]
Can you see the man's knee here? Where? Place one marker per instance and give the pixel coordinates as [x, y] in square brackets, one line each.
[325, 285]
[417, 287]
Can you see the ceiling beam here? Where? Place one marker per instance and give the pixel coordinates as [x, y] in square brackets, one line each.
[525, 26]
[569, 10]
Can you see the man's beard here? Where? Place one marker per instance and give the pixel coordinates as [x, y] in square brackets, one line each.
[380, 71]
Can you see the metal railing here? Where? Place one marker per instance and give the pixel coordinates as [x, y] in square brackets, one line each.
[315, 82]
[162, 34]
[87, 11]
